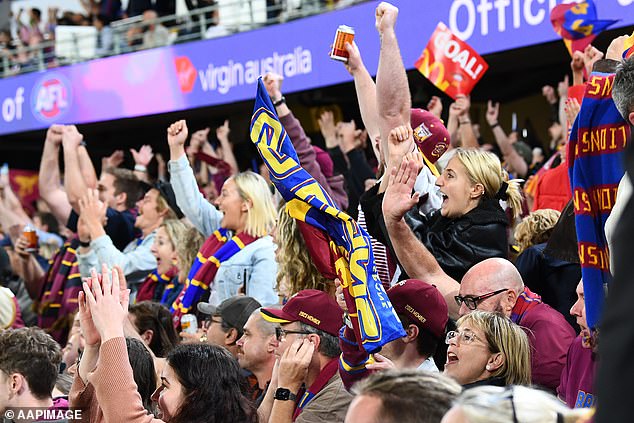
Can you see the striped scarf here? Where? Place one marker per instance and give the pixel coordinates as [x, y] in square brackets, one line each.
[216, 250]
[525, 301]
[58, 300]
[150, 289]
[597, 141]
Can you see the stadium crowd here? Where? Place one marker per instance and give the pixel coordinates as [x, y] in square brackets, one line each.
[186, 290]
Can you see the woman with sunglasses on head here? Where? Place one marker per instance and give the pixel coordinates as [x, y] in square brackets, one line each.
[199, 383]
[488, 349]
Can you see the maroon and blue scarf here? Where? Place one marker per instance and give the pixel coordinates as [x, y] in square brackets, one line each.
[58, 300]
[597, 141]
[217, 249]
[525, 302]
[147, 290]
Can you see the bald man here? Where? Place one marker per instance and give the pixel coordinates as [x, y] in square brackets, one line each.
[496, 285]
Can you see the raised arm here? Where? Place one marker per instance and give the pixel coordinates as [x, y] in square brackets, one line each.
[74, 182]
[467, 136]
[393, 100]
[415, 258]
[366, 92]
[142, 159]
[222, 133]
[49, 180]
[511, 156]
[204, 216]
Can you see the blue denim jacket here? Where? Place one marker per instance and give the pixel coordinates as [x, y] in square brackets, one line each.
[255, 263]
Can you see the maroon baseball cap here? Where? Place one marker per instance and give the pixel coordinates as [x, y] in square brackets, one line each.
[430, 134]
[422, 303]
[310, 306]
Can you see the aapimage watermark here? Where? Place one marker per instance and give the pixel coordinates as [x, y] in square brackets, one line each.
[30, 414]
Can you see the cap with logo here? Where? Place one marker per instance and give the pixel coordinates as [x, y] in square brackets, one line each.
[235, 310]
[310, 306]
[422, 303]
[430, 134]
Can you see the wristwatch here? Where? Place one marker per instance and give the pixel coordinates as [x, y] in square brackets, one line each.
[283, 394]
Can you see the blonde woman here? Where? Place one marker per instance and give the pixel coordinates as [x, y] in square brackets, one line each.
[470, 225]
[488, 349]
[238, 255]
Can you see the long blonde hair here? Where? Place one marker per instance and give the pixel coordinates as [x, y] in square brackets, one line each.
[504, 336]
[485, 168]
[296, 270]
[261, 215]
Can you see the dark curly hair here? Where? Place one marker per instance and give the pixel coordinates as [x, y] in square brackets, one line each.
[213, 384]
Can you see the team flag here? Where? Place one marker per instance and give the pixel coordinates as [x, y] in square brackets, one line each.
[450, 63]
[577, 24]
[376, 323]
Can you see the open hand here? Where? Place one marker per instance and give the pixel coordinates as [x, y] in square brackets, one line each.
[113, 160]
[435, 106]
[294, 363]
[398, 198]
[143, 156]
[108, 307]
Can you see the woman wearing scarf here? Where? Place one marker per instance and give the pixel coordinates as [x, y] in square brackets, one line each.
[238, 255]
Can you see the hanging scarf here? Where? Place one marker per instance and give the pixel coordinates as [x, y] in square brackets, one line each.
[58, 299]
[150, 289]
[525, 302]
[216, 250]
[595, 164]
[329, 370]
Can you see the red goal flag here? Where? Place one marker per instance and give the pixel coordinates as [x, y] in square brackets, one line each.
[450, 63]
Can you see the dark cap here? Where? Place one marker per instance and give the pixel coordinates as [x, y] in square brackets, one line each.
[310, 306]
[430, 135]
[422, 303]
[166, 191]
[235, 310]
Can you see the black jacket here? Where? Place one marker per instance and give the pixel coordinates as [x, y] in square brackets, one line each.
[457, 244]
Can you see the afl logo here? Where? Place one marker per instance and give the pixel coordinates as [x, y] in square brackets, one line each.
[51, 98]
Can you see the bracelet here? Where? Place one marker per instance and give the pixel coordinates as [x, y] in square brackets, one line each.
[83, 143]
[495, 125]
[464, 122]
[279, 102]
[140, 168]
[84, 244]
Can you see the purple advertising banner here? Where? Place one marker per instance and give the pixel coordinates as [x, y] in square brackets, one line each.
[225, 70]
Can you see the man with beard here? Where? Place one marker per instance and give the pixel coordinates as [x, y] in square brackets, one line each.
[256, 352]
[496, 285]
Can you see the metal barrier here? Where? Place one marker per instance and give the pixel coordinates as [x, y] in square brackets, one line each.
[76, 44]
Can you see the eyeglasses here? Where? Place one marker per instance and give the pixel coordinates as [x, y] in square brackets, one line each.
[281, 333]
[472, 302]
[465, 338]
